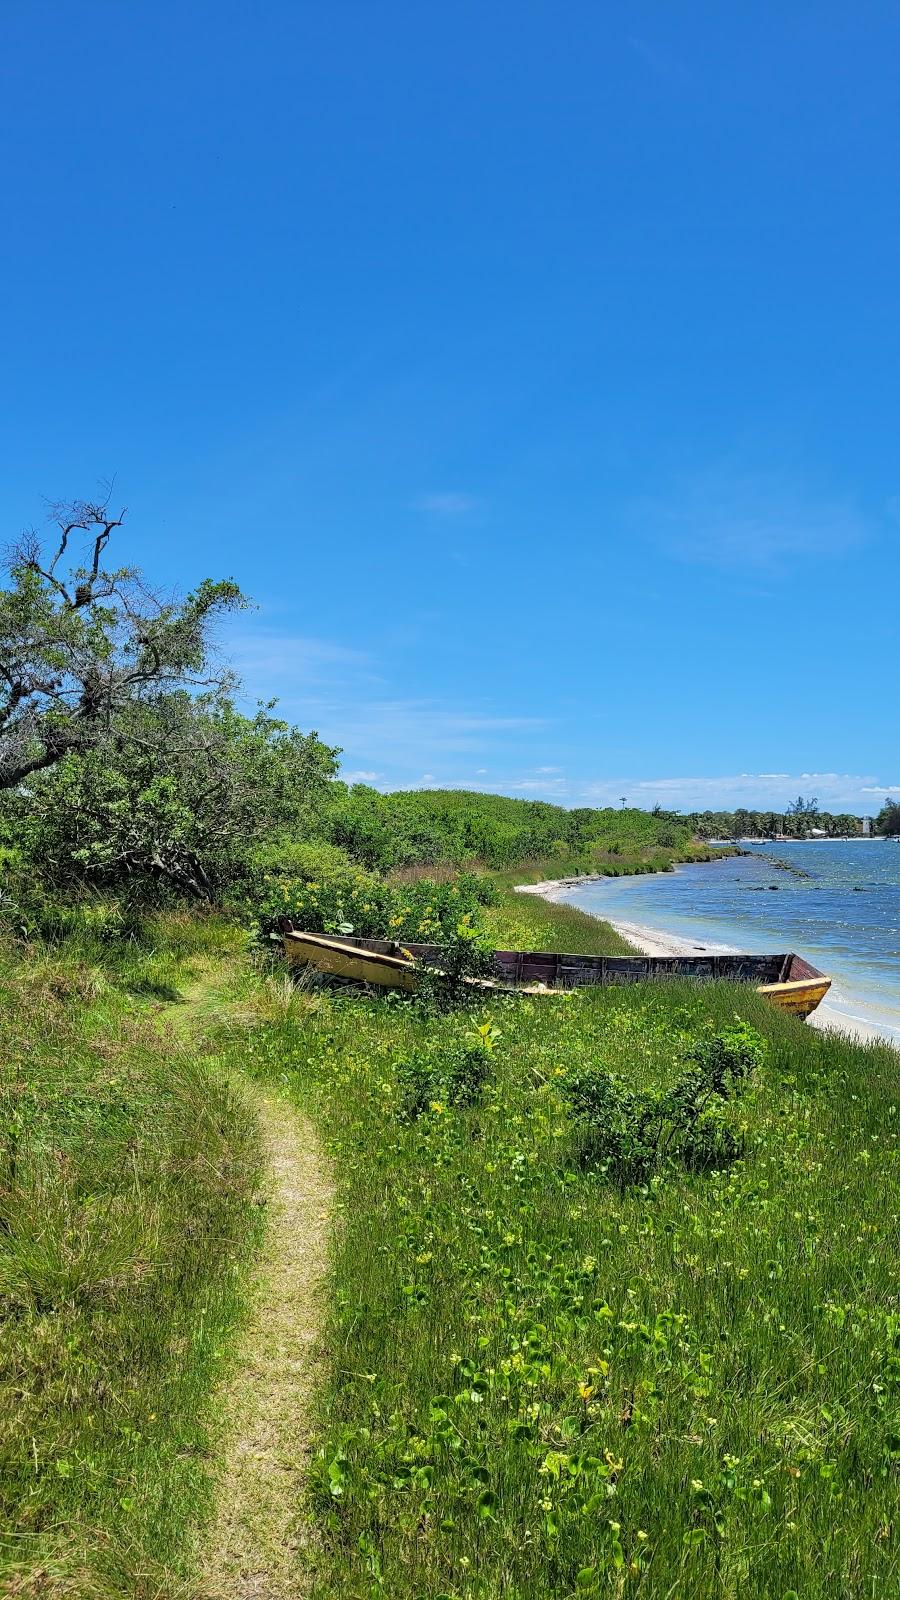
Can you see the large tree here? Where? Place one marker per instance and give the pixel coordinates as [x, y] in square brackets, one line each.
[82, 641]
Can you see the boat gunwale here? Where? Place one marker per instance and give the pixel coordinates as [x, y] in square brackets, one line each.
[322, 941]
[403, 956]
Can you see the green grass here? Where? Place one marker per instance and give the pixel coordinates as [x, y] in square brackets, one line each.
[534, 1383]
[126, 1179]
[542, 1386]
[528, 922]
[615, 859]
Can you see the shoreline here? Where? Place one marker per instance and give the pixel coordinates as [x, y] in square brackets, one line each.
[655, 942]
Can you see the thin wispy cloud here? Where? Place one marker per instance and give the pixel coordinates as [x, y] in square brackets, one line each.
[763, 791]
[263, 659]
[773, 791]
[402, 731]
[737, 519]
[446, 503]
[340, 692]
[541, 788]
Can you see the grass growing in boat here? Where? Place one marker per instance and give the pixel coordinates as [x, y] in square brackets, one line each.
[126, 1177]
[543, 1383]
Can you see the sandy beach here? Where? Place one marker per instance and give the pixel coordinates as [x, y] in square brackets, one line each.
[654, 942]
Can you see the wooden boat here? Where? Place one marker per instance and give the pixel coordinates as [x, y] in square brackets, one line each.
[385, 964]
[787, 980]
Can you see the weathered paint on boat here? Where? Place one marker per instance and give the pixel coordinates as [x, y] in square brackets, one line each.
[343, 960]
[787, 980]
[800, 998]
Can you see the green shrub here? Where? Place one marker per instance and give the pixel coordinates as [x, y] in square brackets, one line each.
[464, 954]
[632, 1134]
[430, 913]
[320, 889]
[432, 1080]
[305, 858]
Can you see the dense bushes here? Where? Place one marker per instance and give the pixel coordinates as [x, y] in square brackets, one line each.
[501, 831]
[172, 802]
[385, 831]
[320, 889]
[632, 1133]
[182, 797]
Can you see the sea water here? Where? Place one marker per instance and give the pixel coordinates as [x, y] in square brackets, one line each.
[836, 902]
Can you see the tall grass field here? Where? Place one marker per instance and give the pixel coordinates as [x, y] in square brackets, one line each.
[127, 1170]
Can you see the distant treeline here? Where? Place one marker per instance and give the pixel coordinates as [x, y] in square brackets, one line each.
[743, 824]
[797, 822]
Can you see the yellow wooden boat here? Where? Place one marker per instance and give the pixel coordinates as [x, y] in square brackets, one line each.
[343, 958]
[787, 980]
[800, 996]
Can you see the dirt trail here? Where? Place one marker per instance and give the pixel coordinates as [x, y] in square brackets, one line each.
[255, 1547]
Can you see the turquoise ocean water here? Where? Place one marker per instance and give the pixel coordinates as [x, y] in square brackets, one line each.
[836, 902]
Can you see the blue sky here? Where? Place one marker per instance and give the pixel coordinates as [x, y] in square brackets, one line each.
[536, 368]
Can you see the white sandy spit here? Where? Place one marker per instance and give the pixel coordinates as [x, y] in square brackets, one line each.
[652, 942]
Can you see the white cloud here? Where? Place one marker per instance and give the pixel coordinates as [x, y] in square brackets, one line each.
[542, 788]
[445, 503]
[765, 791]
[338, 691]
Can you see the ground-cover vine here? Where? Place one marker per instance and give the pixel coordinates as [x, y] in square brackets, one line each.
[536, 1382]
[542, 1384]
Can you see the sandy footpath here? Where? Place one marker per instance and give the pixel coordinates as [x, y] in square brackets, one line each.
[653, 942]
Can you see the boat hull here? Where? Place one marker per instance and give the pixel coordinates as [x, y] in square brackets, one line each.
[341, 960]
[787, 980]
[800, 998]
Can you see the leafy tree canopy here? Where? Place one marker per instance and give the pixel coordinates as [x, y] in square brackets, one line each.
[179, 791]
[888, 819]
